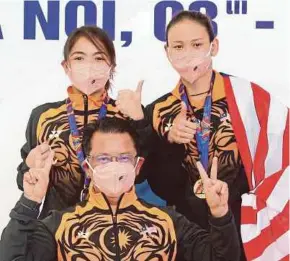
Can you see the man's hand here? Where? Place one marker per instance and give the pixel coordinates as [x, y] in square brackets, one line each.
[216, 191]
[35, 181]
[129, 102]
[182, 130]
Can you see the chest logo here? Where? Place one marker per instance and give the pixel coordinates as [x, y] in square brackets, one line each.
[148, 231]
[54, 134]
[82, 234]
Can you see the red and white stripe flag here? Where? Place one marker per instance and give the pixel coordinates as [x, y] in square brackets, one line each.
[261, 126]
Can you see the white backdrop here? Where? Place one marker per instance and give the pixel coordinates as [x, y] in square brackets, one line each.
[31, 73]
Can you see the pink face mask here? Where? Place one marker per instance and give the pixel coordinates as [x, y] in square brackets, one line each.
[114, 178]
[191, 66]
[89, 78]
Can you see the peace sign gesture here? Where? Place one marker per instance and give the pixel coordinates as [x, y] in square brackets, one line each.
[35, 181]
[216, 191]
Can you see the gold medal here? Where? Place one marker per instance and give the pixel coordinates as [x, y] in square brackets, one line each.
[198, 189]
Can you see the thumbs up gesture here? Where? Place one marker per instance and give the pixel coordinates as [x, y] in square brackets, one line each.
[129, 102]
[35, 181]
[216, 191]
[182, 130]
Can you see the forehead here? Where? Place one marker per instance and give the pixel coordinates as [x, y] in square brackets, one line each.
[112, 143]
[84, 45]
[187, 30]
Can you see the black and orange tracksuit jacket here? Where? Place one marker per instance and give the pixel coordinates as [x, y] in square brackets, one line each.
[170, 168]
[49, 122]
[137, 231]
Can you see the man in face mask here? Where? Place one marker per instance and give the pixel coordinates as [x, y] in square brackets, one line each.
[113, 224]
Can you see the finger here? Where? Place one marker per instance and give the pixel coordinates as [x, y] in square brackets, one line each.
[183, 128]
[49, 162]
[184, 141]
[224, 189]
[202, 172]
[217, 188]
[191, 125]
[44, 147]
[139, 87]
[43, 155]
[33, 176]
[213, 172]
[184, 135]
[181, 140]
[27, 178]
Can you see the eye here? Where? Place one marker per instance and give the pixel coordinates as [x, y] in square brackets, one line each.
[124, 158]
[103, 159]
[197, 45]
[99, 58]
[178, 47]
[78, 58]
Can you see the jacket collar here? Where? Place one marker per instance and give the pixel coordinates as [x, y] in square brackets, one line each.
[218, 91]
[99, 200]
[78, 99]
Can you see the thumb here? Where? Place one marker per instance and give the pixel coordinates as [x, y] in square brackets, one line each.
[139, 87]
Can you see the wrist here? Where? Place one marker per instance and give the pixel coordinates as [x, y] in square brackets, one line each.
[33, 198]
[219, 212]
[138, 115]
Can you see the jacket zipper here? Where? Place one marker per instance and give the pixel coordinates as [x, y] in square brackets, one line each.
[85, 110]
[115, 226]
[85, 97]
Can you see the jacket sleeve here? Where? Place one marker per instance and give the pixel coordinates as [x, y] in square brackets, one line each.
[31, 142]
[196, 244]
[26, 238]
[144, 129]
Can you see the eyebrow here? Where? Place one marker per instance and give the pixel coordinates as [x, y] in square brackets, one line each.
[197, 39]
[192, 40]
[82, 53]
[118, 154]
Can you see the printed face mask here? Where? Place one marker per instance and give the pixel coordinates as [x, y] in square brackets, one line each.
[89, 78]
[114, 178]
[191, 66]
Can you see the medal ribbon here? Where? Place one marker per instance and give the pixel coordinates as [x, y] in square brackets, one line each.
[203, 129]
[77, 139]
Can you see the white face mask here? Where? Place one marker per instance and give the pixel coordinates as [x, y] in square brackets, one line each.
[191, 66]
[114, 178]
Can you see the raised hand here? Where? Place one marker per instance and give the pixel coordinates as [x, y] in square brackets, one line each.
[129, 102]
[216, 191]
[37, 156]
[182, 130]
[35, 181]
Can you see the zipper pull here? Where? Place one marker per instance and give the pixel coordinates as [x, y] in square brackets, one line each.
[114, 219]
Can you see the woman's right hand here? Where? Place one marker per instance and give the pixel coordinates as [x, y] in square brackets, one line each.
[182, 130]
[35, 181]
[37, 156]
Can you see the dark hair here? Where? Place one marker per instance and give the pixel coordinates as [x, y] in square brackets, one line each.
[98, 37]
[109, 125]
[195, 16]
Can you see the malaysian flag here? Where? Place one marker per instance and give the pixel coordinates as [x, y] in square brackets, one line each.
[261, 126]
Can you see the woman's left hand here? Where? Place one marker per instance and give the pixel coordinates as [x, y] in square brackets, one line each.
[129, 102]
